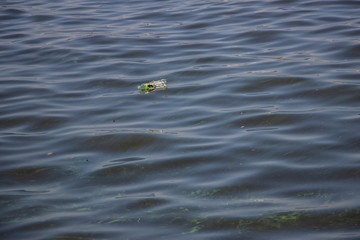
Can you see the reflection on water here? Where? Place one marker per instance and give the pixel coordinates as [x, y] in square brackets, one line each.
[255, 137]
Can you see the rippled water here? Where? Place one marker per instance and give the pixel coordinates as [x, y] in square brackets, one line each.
[256, 136]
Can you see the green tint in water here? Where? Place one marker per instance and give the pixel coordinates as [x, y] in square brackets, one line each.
[349, 218]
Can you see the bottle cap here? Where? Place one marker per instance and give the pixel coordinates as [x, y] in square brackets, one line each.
[146, 87]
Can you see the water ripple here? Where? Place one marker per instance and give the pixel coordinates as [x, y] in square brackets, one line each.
[255, 136]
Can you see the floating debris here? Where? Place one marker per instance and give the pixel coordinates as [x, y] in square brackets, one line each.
[153, 86]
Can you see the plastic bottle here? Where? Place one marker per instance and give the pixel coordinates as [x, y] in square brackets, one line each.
[153, 85]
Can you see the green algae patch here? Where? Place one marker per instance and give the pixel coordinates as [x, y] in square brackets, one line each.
[83, 209]
[348, 218]
[205, 193]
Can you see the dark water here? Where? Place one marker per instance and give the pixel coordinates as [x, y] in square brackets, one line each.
[256, 137]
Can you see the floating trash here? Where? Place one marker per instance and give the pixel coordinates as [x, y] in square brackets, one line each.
[153, 86]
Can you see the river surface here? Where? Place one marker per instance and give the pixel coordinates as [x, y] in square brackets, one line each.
[255, 137]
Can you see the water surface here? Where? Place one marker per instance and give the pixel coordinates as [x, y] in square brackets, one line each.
[256, 136]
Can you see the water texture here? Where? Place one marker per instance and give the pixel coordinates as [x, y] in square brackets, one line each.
[256, 136]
